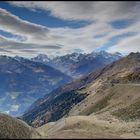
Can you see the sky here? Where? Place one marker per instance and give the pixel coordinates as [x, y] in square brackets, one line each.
[58, 28]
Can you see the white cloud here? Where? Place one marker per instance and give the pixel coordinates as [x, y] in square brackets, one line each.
[103, 11]
[130, 44]
[12, 23]
[35, 36]
[13, 48]
[40, 39]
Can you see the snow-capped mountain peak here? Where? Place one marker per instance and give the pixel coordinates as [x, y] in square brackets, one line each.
[41, 58]
[76, 64]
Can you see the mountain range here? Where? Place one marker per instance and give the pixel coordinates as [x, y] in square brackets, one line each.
[25, 80]
[78, 64]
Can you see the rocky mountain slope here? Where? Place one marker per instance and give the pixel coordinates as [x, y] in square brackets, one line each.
[102, 92]
[23, 81]
[78, 64]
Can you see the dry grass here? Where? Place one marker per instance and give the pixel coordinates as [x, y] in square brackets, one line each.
[12, 128]
[88, 127]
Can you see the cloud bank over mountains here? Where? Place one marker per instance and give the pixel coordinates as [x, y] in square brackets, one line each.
[114, 26]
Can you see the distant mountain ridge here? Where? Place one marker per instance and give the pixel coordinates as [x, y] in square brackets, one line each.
[78, 64]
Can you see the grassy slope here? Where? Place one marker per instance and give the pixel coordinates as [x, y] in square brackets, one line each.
[12, 128]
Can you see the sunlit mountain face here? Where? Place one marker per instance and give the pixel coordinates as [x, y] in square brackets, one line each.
[109, 90]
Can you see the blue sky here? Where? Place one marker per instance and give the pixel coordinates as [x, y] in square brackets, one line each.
[58, 28]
